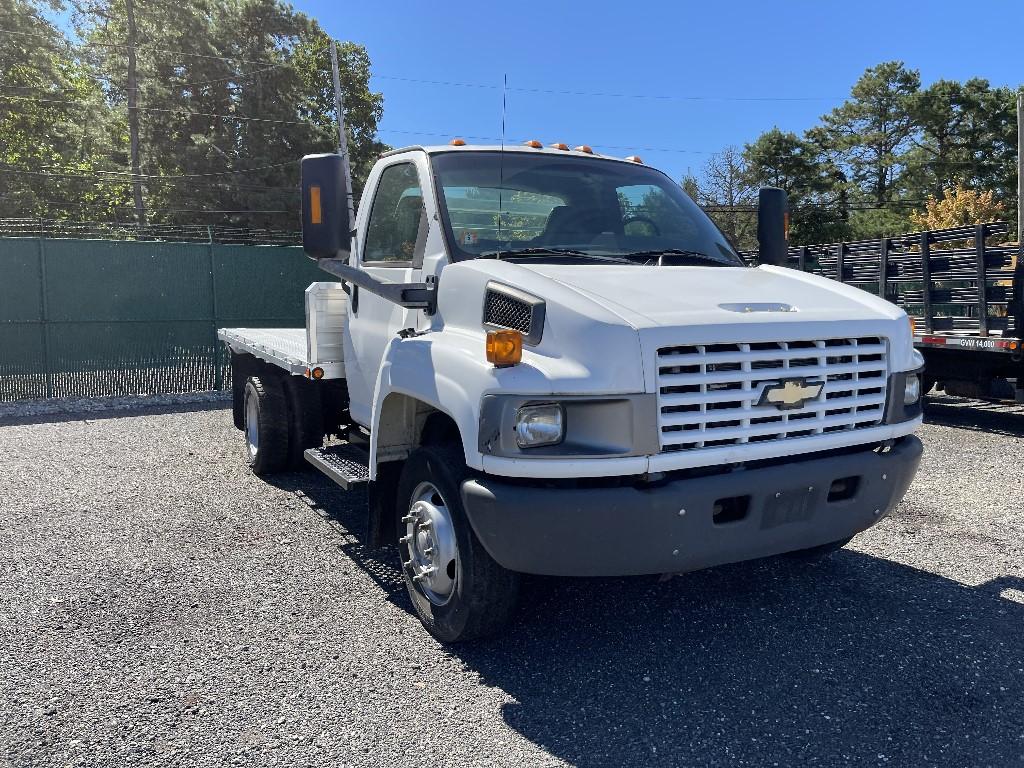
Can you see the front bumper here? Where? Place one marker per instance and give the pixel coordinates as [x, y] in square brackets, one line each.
[666, 528]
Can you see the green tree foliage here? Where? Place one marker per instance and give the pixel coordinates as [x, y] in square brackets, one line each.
[815, 186]
[231, 94]
[872, 129]
[967, 136]
[52, 121]
[874, 161]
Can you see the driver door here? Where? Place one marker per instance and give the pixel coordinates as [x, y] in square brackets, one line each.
[391, 251]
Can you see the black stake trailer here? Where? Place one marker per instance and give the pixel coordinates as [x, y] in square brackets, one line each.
[964, 293]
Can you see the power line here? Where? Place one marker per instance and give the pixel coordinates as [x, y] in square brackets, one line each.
[245, 118]
[199, 175]
[99, 179]
[90, 44]
[497, 138]
[661, 97]
[125, 46]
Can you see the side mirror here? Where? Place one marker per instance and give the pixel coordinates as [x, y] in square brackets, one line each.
[772, 226]
[325, 224]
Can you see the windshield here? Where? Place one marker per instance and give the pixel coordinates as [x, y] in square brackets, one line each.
[543, 204]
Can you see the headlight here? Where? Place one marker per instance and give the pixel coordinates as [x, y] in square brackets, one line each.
[911, 389]
[538, 425]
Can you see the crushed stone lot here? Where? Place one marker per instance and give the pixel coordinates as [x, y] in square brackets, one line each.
[159, 605]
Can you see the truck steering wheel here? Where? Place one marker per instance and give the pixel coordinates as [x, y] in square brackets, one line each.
[644, 219]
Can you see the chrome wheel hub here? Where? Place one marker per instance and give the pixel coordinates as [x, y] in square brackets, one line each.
[430, 544]
[252, 426]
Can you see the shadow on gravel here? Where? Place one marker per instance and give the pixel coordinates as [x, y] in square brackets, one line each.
[346, 512]
[856, 659]
[14, 419]
[998, 418]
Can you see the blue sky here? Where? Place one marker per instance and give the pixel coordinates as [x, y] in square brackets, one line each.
[723, 53]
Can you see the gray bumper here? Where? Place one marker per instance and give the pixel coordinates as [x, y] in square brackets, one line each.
[621, 531]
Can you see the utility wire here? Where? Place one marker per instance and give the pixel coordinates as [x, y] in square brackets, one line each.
[663, 97]
[198, 175]
[98, 179]
[161, 109]
[147, 46]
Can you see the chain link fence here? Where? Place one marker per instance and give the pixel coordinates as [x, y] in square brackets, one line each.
[182, 233]
[88, 318]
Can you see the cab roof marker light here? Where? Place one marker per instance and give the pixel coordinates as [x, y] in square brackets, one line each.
[559, 145]
[635, 159]
[584, 148]
[458, 142]
[533, 143]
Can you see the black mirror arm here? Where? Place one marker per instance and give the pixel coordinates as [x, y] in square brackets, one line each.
[408, 295]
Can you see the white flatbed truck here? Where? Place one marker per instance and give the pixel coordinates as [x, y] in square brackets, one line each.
[544, 361]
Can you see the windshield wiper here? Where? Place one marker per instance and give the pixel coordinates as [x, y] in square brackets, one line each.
[659, 252]
[537, 251]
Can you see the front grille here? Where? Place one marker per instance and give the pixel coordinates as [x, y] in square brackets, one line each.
[710, 395]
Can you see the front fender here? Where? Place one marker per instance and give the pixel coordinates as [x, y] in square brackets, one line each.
[447, 370]
[440, 374]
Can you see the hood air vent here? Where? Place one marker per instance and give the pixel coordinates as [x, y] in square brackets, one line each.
[506, 307]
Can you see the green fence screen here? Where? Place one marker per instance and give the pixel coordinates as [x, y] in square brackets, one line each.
[86, 318]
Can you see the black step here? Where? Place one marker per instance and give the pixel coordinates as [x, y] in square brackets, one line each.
[346, 464]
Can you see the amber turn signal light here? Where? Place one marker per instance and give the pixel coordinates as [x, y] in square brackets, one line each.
[504, 347]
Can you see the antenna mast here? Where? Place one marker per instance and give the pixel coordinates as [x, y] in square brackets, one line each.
[339, 107]
[501, 155]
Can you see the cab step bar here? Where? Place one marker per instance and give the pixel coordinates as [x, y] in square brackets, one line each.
[346, 464]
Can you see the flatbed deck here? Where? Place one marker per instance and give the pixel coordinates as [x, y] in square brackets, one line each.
[287, 348]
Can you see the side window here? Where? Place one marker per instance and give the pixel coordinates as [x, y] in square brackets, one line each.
[395, 219]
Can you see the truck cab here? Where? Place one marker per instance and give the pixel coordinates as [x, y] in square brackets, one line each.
[545, 361]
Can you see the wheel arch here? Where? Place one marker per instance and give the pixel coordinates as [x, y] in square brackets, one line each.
[421, 377]
[404, 421]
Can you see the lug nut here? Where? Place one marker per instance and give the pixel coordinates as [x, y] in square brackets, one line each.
[424, 573]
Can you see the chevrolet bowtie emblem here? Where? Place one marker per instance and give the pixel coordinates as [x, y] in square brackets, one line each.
[791, 393]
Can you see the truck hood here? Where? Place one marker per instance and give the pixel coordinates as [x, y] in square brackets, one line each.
[649, 297]
[596, 313]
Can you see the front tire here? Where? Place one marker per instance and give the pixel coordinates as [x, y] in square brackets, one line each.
[266, 425]
[458, 591]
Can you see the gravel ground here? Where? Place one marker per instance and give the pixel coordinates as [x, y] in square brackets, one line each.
[159, 605]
